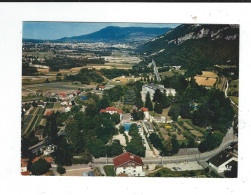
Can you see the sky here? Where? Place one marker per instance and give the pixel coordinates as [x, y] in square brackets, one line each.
[57, 30]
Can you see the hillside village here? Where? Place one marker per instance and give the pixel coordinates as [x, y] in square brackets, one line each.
[103, 114]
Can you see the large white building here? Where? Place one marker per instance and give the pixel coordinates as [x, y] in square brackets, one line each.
[222, 162]
[151, 88]
[128, 164]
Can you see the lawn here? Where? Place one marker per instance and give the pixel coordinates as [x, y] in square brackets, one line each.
[50, 105]
[165, 172]
[109, 170]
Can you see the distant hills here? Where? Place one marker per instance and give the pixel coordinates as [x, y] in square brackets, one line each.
[113, 34]
[198, 45]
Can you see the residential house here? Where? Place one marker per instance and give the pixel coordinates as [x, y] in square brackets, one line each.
[129, 164]
[221, 162]
[49, 149]
[68, 108]
[148, 126]
[112, 110]
[24, 165]
[151, 88]
[101, 88]
[158, 119]
[146, 113]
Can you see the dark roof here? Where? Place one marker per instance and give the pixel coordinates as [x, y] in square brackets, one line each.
[232, 163]
[126, 157]
[220, 158]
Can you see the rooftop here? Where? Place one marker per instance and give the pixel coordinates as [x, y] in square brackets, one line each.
[126, 157]
[220, 158]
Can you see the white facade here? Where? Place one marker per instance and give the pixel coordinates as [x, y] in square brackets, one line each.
[131, 171]
[67, 109]
[151, 88]
[223, 167]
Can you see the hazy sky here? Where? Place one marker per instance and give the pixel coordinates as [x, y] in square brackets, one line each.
[56, 30]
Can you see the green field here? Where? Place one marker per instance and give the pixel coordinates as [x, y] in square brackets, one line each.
[109, 170]
[165, 172]
[50, 105]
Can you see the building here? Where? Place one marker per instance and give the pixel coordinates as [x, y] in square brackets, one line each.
[68, 108]
[129, 164]
[112, 110]
[48, 159]
[146, 113]
[148, 127]
[24, 165]
[101, 88]
[151, 88]
[39, 134]
[159, 119]
[222, 162]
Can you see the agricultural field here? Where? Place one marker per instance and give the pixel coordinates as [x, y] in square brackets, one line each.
[207, 78]
[233, 90]
[183, 130]
[171, 73]
[124, 80]
[32, 120]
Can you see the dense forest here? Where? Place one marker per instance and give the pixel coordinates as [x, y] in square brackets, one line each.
[208, 45]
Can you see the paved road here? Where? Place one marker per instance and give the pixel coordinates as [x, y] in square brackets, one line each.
[227, 140]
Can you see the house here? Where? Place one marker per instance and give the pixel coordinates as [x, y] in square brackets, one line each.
[129, 164]
[64, 102]
[68, 108]
[37, 147]
[148, 126]
[49, 149]
[151, 88]
[112, 110]
[62, 95]
[24, 165]
[48, 159]
[146, 113]
[158, 119]
[220, 162]
[101, 88]
[77, 92]
[48, 113]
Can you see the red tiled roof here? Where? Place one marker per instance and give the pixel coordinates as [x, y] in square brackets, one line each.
[24, 162]
[111, 109]
[48, 113]
[62, 94]
[25, 173]
[144, 109]
[77, 91]
[48, 159]
[69, 106]
[102, 87]
[126, 157]
[120, 111]
[102, 110]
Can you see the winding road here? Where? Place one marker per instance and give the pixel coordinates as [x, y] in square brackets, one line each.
[227, 140]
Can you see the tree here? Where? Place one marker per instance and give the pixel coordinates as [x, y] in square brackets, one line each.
[115, 118]
[175, 146]
[157, 96]
[74, 136]
[156, 141]
[40, 167]
[25, 144]
[91, 110]
[121, 129]
[97, 148]
[115, 148]
[63, 153]
[129, 97]
[60, 170]
[136, 146]
[148, 103]
[174, 112]
[47, 81]
[212, 141]
[157, 108]
[135, 115]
